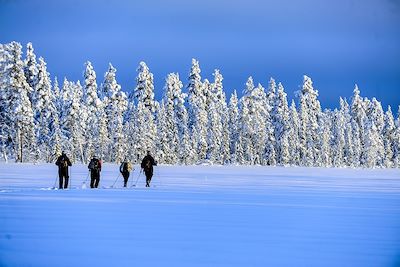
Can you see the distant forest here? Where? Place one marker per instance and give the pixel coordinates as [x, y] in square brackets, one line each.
[194, 123]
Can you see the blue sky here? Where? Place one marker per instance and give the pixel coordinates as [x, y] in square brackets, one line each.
[337, 43]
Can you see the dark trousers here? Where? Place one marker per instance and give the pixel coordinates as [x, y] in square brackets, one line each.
[63, 178]
[149, 175]
[126, 177]
[94, 179]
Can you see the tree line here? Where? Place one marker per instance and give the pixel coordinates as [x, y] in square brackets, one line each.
[192, 124]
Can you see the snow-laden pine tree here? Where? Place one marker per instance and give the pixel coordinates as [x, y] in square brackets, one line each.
[388, 133]
[45, 111]
[93, 108]
[5, 120]
[326, 136]
[73, 120]
[171, 120]
[145, 132]
[396, 142]
[358, 119]
[310, 112]
[376, 115]
[280, 122]
[197, 98]
[144, 90]
[20, 129]
[31, 69]
[233, 126]
[115, 105]
[216, 117]
[255, 134]
[348, 153]
[372, 156]
[165, 153]
[338, 134]
[293, 138]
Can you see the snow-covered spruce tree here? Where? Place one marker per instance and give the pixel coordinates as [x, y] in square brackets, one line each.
[143, 95]
[185, 152]
[6, 147]
[31, 69]
[338, 132]
[45, 112]
[73, 120]
[348, 153]
[280, 122]
[358, 118]
[233, 126]
[373, 143]
[170, 129]
[197, 109]
[220, 96]
[338, 142]
[245, 155]
[144, 90]
[115, 105]
[396, 142]
[310, 112]
[376, 115]
[129, 130]
[389, 138]
[216, 114]
[93, 106]
[326, 133]
[145, 131]
[254, 126]
[18, 106]
[164, 148]
[293, 138]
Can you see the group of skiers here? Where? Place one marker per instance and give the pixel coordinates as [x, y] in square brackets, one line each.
[63, 162]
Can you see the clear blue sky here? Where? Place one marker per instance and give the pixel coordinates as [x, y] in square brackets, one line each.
[337, 43]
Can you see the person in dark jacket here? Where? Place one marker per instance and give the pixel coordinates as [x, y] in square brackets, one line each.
[63, 163]
[95, 169]
[147, 165]
[125, 169]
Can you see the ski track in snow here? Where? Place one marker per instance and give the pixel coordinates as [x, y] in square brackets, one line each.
[201, 216]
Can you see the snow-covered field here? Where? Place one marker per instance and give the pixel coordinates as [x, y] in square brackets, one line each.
[202, 216]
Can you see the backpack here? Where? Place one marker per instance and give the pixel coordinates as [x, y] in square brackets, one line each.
[64, 163]
[94, 165]
[147, 164]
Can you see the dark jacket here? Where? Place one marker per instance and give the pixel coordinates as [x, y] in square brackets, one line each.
[63, 162]
[147, 164]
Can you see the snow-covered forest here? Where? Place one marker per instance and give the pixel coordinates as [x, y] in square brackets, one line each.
[195, 122]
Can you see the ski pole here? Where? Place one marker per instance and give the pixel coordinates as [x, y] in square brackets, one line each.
[55, 183]
[87, 177]
[137, 179]
[116, 180]
[69, 179]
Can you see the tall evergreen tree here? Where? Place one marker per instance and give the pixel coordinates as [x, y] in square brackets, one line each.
[21, 133]
[310, 112]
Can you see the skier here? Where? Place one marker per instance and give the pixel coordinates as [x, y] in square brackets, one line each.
[125, 169]
[95, 169]
[147, 165]
[63, 162]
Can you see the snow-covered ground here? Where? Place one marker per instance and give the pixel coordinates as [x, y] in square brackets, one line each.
[202, 216]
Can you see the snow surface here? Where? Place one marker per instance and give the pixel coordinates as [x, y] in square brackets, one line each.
[202, 216]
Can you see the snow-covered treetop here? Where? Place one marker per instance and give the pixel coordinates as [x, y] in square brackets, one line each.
[194, 86]
[110, 86]
[90, 86]
[308, 86]
[144, 90]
